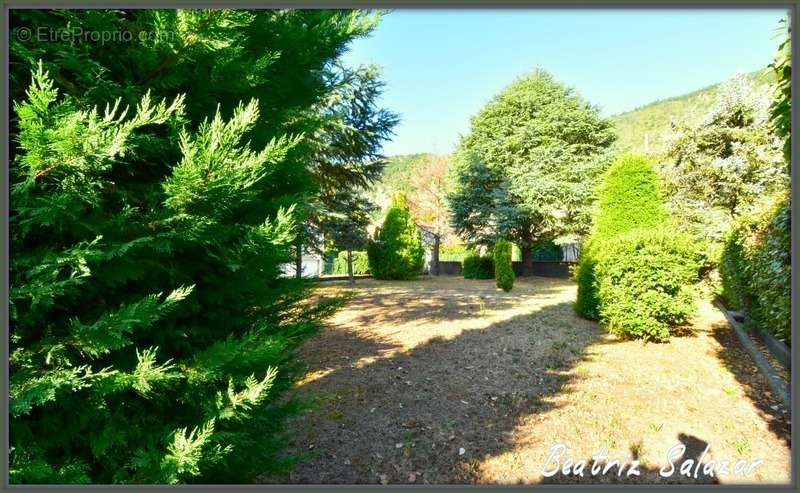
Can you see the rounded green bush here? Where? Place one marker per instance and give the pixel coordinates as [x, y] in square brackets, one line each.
[396, 251]
[645, 282]
[475, 266]
[503, 270]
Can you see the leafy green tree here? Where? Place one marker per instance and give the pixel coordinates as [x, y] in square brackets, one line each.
[756, 266]
[151, 332]
[396, 251]
[526, 170]
[716, 170]
[503, 270]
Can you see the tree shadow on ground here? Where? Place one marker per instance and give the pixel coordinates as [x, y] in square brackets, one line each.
[437, 411]
[429, 414]
[739, 362]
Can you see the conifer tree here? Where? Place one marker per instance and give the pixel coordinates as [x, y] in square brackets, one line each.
[527, 169]
[154, 190]
[348, 161]
[629, 199]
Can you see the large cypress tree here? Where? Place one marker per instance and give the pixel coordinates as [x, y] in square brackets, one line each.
[154, 184]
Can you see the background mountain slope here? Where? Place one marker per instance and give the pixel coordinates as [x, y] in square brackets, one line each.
[643, 130]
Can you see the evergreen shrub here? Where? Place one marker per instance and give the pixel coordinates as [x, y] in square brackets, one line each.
[503, 270]
[396, 251]
[645, 282]
[635, 276]
[154, 195]
[629, 198]
[475, 266]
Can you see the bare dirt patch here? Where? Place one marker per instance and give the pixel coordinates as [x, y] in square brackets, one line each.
[446, 380]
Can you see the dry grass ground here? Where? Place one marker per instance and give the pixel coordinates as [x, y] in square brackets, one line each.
[453, 381]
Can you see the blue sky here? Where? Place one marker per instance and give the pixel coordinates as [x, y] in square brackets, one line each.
[442, 66]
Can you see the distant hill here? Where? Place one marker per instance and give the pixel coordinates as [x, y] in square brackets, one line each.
[396, 177]
[642, 130]
[399, 171]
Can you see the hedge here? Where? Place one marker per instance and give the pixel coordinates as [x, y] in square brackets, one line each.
[475, 266]
[360, 263]
[503, 270]
[756, 268]
[452, 252]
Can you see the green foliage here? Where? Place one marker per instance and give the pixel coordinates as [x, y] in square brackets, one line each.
[756, 267]
[360, 263]
[348, 160]
[151, 332]
[396, 251]
[630, 198]
[586, 302]
[717, 169]
[503, 270]
[526, 171]
[545, 251]
[398, 174]
[475, 266]
[344, 224]
[423, 178]
[645, 283]
[781, 107]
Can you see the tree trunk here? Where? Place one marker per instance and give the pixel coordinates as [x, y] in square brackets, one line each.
[350, 266]
[435, 255]
[527, 258]
[298, 259]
